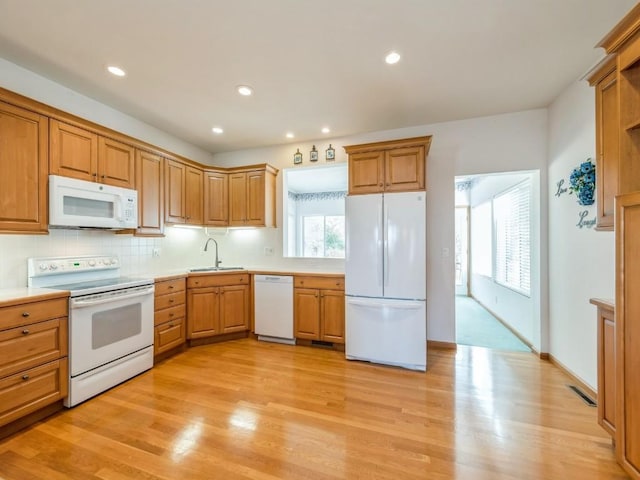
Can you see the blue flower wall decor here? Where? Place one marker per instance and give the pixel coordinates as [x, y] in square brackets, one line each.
[582, 182]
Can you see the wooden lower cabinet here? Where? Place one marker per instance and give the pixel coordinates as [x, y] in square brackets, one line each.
[217, 304]
[33, 357]
[170, 315]
[606, 365]
[319, 308]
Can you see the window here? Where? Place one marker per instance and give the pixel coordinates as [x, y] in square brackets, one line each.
[511, 216]
[481, 247]
[323, 236]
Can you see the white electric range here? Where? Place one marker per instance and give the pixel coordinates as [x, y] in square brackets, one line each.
[110, 320]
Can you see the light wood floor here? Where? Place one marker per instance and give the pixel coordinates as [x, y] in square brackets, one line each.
[247, 409]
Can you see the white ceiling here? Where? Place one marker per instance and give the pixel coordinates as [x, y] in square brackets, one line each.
[311, 63]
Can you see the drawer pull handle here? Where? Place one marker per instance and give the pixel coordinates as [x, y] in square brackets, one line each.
[25, 314]
[171, 314]
[25, 377]
[171, 325]
[25, 332]
[171, 300]
[171, 287]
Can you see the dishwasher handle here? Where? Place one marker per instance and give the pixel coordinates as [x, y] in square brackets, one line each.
[273, 278]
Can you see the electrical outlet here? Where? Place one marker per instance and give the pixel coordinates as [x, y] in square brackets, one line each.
[155, 252]
[268, 251]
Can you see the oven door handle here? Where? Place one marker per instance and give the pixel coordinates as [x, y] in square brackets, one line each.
[111, 298]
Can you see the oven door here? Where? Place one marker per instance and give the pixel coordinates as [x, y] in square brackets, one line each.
[107, 326]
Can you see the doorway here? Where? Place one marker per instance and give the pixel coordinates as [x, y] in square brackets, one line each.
[462, 250]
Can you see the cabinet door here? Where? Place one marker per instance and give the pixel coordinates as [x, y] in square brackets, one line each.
[116, 163]
[627, 313]
[23, 163]
[404, 169]
[234, 308]
[255, 198]
[149, 180]
[607, 370]
[608, 149]
[216, 199]
[73, 151]
[306, 313]
[203, 305]
[332, 315]
[194, 198]
[174, 174]
[366, 172]
[237, 199]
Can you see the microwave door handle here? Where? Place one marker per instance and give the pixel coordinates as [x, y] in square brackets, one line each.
[110, 298]
[118, 205]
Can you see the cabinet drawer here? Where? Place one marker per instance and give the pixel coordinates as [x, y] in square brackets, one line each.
[329, 283]
[170, 300]
[32, 389]
[170, 286]
[169, 335]
[173, 313]
[26, 347]
[218, 280]
[33, 312]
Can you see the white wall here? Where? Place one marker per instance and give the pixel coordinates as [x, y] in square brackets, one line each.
[29, 84]
[517, 310]
[581, 261]
[499, 143]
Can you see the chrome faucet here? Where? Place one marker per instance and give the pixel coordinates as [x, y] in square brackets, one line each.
[217, 262]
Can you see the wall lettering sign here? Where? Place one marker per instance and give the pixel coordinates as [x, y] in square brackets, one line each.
[583, 222]
[560, 189]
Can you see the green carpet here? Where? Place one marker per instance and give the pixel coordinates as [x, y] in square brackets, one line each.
[476, 326]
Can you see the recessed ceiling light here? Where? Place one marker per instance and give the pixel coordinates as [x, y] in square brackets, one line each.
[217, 130]
[245, 90]
[325, 130]
[117, 71]
[289, 135]
[392, 57]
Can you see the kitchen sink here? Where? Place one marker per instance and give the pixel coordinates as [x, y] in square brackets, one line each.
[214, 269]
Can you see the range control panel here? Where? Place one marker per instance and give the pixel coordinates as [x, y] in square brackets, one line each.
[55, 265]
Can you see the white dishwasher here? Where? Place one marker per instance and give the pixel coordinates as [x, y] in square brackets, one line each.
[273, 300]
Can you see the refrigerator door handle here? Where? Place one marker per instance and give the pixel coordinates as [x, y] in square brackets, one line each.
[381, 246]
[385, 250]
[405, 305]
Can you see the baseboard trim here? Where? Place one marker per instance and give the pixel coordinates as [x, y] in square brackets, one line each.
[509, 327]
[437, 345]
[586, 388]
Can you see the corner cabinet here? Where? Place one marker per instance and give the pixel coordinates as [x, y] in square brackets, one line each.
[252, 196]
[216, 198]
[217, 304]
[393, 166]
[318, 310]
[23, 162]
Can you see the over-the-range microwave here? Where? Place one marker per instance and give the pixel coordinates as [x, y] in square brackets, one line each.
[82, 204]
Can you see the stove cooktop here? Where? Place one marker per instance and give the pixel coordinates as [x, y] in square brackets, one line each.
[104, 285]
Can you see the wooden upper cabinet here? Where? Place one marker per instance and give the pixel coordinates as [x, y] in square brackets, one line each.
[193, 196]
[183, 193]
[73, 151]
[394, 166]
[216, 198]
[23, 163]
[81, 154]
[116, 163]
[252, 197]
[149, 183]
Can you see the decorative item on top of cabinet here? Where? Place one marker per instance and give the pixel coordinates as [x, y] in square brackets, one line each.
[183, 193]
[82, 154]
[23, 162]
[393, 166]
[150, 186]
[319, 308]
[627, 328]
[252, 200]
[170, 317]
[606, 364]
[216, 198]
[33, 364]
[217, 304]
[607, 141]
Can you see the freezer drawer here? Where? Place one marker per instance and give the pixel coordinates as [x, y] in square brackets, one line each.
[391, 332]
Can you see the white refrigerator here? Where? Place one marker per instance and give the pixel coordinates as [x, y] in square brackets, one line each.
[385, 279]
